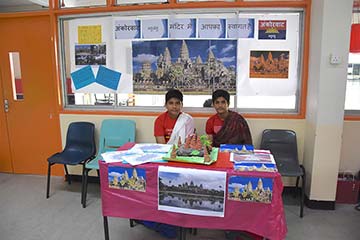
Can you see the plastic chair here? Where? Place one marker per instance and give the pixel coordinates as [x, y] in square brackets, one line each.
[283, 145]
[113, 134]
[80, 146]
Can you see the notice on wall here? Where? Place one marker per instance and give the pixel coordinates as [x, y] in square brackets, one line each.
[154, 28]
[182, 28]
[83, 77]
[269, 64]
[108, 78]
[90, 34]
[240, 27]
[211, 28]
[272, 29]
[127, 29]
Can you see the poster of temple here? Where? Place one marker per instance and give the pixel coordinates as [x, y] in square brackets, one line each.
[269, 64]
[127, 178]
[193, 66]
[90, 54]
[250, 189]
[192, 191]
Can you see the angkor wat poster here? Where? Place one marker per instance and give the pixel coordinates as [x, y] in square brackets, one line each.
[193, 66]
[269, 64]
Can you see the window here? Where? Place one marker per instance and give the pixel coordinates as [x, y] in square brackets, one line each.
[81, 3]
[352, 97]
[126, 2]
[16, 80]
[127, 62]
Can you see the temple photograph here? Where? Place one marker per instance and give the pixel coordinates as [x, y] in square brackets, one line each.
[90, 54]
[127, 178]
[193, 66]
[250, 189]
[269, 64]
[192, 191]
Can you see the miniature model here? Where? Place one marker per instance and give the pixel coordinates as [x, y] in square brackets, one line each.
[194, 146]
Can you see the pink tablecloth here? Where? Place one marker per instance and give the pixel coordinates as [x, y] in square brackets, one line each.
[266, 220]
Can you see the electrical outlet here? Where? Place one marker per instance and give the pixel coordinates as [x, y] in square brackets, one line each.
[335, 59]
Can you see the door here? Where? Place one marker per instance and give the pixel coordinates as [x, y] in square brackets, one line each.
[29, 118]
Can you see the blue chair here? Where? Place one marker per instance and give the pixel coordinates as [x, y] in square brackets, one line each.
[283, 145]
[113, 134]
[80, 147]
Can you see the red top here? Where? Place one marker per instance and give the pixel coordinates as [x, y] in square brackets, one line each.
[214, 124]
[164, 126]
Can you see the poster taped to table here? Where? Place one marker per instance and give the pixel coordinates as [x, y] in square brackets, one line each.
[191, 191]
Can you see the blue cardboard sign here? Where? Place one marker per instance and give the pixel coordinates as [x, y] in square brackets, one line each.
[83, 77]
[108, 78]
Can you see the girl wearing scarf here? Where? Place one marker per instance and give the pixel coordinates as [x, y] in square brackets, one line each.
[226, 127]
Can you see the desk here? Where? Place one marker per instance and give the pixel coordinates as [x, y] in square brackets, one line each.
[266, 220]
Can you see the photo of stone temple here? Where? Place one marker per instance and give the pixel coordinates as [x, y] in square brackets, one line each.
[244, 189]
[193, 66]
[127, 178]
[269, 64]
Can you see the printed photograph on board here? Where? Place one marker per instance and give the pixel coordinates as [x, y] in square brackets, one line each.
[272, 29]
[90, 54]
[193, 66]
[192, 191]
[269, 64]
[250, 189]
[127, 178]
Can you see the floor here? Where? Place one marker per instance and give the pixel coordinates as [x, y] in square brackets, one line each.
[25, 213]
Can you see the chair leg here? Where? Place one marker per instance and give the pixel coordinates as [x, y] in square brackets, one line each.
[67, 174]
[84, 186]
[106, 228]
[48, 181]
[296, 186]
[181, 232]
[302, 196]
[303, 180]
[83, 201]
[132, 222]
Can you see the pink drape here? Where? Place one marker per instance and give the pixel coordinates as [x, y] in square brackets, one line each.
[267, 220]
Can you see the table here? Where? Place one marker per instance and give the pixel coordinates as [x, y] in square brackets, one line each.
[267, 220]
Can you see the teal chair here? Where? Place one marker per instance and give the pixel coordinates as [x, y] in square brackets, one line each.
[113, 134]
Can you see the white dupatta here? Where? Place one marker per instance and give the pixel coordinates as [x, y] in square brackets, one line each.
[184, 126]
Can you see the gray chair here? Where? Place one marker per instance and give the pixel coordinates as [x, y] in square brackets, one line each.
[283, 145]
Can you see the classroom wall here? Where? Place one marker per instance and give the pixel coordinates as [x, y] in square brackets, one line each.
[350, 149]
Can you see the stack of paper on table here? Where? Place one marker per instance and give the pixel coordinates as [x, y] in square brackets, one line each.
[260, 160]
[139, 154]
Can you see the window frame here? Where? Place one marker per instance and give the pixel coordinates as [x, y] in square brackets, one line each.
[297, 112]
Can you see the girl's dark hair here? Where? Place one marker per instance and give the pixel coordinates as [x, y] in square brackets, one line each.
[173, 93]
[221, 93]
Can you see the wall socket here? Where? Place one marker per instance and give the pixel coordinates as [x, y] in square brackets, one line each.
[335, 59]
